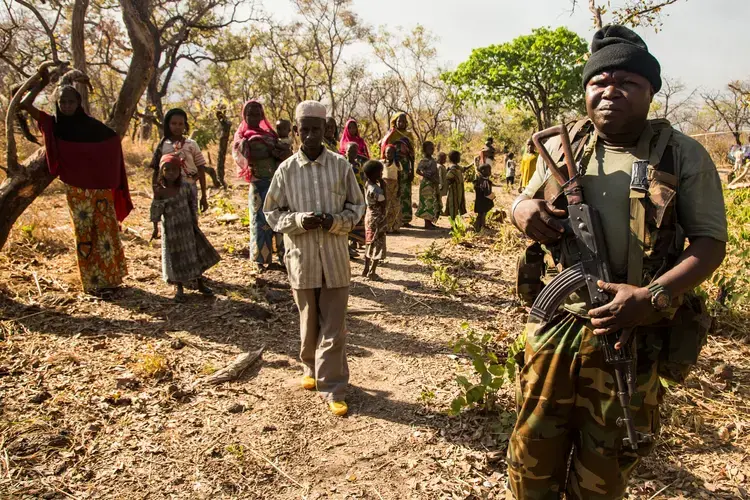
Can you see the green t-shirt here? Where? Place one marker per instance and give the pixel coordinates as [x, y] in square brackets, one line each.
[606, 187]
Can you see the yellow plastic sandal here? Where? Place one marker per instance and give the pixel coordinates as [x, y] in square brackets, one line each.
[338, 408]
[308, 383]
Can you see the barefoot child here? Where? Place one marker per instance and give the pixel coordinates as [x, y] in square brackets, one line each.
[510, 172]
[455, 204]
[186, 253]
[374, 218]
[357, 161]
[484, 196]
[429, 189]
[174, 142]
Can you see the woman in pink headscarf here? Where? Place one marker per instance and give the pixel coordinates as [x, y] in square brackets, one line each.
[351, 134]
[257, 152]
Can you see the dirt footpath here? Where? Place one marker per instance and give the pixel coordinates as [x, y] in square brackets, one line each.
[100, 397]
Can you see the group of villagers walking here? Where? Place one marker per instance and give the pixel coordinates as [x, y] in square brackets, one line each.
[320, 208]
[87, 155]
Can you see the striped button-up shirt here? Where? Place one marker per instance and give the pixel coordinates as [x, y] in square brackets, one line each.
[326, 185]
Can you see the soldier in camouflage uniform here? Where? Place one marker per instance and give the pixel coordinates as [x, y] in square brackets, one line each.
[566, 394]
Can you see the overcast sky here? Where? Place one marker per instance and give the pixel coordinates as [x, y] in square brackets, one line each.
[704, 43]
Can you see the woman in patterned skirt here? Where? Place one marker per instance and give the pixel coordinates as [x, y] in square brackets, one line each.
[391, 174]
[87, 155]
[429, 189]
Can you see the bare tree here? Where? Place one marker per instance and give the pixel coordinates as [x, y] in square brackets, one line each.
[78, 47]
[633, 12]
[410, 61]
[179, 31]
[226, 127]
[331, 28]
[732, 107]
[673, 103]
[24, 182]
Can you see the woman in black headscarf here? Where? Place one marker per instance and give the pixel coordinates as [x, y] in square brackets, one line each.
[87, 155]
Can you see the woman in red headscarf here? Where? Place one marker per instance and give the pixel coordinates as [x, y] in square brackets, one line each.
[257, 152]
[351, 134]
[87, 155]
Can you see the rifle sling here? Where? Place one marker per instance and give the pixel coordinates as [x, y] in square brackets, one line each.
[637, 239]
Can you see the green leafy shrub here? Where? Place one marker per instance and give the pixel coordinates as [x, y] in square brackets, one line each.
[732, 279]
[459, 230]
[444, 279]
[430, 255]
[490, 372]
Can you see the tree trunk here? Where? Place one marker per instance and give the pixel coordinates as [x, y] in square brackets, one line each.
[136, 14]
[226, 127]
[153, 107]
[539, 120]
[17, 192]
[22, 187]
[77, 42]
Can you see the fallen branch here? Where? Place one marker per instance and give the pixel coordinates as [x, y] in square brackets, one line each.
[742, 179]
[234, 369]
[363, 310]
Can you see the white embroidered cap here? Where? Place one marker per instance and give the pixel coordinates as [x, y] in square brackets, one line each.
[310, 109]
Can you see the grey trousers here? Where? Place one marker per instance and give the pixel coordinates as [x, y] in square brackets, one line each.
[322, 319]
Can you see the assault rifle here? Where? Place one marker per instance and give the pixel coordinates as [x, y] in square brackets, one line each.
[583, 229]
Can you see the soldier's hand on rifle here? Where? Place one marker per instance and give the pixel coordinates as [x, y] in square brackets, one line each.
[630, 307]
[536, 218]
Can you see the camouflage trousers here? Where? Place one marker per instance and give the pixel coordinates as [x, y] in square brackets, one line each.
[567, 403]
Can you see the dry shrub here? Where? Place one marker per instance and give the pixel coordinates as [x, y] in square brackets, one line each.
[33, 236]
[138, 154]
[717, 146]
[508, 239]
[152, 365]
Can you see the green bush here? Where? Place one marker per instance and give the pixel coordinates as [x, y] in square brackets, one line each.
[491, 373]
[459, 229]
[732, 278]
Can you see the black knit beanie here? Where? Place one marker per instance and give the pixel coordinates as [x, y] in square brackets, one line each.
[617, 47]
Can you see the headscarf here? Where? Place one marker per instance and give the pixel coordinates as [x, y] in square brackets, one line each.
[264, 128]
[169, 158]
[347, 138]
[80, 127]
[394, 134]
[264, 131]
[86, 154]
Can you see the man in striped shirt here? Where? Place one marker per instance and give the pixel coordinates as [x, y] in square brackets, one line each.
[315, 201]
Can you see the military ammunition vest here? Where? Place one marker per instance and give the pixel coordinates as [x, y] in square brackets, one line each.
[656, 238]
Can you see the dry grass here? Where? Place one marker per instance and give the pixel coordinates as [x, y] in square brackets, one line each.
[151, 364]
[68, 429]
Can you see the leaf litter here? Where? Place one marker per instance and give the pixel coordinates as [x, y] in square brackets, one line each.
[100, 396]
